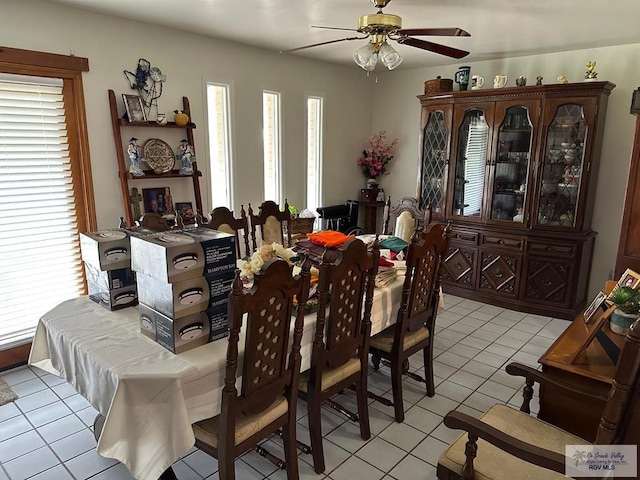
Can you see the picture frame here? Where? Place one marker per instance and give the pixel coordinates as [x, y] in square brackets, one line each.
[134, 108]
[629, 278]
[185, 210]
[157, 200]
[380, 197]
[594, 306]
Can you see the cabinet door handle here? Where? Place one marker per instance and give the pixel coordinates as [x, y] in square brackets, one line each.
[498, 274]
[548, 283]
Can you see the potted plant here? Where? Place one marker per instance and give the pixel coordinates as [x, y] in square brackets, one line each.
[627, 302]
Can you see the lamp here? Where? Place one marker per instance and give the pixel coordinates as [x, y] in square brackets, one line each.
[367, 57]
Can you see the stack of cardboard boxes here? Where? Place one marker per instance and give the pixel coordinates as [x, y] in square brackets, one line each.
[107, 261]
[184, 279]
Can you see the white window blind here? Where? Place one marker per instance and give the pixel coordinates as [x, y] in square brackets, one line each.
[40, 262]
[476, 155]
[271, 145]
[314, 152]
[219, 151]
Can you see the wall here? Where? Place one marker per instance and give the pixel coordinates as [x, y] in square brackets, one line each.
[397, 110]
[112, 45]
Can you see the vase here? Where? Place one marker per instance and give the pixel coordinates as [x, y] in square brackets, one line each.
[181, 119]
[621, 322]
[372, 185]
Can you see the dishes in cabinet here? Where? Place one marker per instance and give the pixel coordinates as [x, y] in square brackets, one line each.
[568, 190]
[158, 155]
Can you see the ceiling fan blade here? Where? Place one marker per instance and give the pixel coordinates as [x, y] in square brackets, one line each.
[335, 28]
[433, 47]
[435, 32]
[322, 43]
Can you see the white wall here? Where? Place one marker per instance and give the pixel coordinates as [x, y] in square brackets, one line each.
[397, 110]
[112, 45]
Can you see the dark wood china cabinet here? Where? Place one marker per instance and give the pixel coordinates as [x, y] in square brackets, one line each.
[515, 171]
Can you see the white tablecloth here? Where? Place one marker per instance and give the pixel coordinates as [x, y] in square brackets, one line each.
[150, 396]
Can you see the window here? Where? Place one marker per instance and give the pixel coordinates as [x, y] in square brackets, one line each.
[46, 193]
[271, 143]
[314, 152]
[219, 145]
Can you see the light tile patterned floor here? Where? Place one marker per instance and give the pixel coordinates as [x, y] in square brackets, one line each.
[46, 434]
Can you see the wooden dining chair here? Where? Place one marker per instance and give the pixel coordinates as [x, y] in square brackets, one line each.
[222, 219]
[414, 329]
[506, 443]
[270, 224]
[341, 342]
[406, 212]
[268, 397]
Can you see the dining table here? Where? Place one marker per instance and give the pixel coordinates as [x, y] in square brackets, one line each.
[149, 396]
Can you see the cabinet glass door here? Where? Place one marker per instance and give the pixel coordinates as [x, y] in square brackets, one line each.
[563, 167]
[434, 161]
[472, 148]
[512, 159]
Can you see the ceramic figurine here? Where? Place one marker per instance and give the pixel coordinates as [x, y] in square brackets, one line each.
[591, 74]
[187, 156]
[132, 150]
[521, 81]
[562, 79]
[539, 80]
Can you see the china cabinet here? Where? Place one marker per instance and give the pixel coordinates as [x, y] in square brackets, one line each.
[515, 170]
[126, 177]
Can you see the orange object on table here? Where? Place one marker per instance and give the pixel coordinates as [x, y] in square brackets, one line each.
[329, 238]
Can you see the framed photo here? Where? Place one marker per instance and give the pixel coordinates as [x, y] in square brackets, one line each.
[594, 306]
[380, 197]
[185, 210]
[135, 109]
[157, 200]
[629, 279]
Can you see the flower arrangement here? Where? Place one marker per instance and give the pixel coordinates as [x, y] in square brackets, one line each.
[265, 253]
[376, 157]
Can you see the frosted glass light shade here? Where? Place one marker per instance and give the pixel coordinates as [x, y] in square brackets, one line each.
[389, 56]
[366, 57]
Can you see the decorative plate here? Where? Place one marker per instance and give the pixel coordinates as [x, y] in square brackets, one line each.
[158, 154]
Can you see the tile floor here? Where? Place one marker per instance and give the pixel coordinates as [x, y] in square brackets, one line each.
[46, 434]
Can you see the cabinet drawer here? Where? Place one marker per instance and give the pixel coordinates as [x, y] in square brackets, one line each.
[504, 242]
[464, 236]
[552, 249]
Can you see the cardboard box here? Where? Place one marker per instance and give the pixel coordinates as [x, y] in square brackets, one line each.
[110, 279]
[109, 249]
[184, 333]
[179, 255]
[115, 298]
[184, 298]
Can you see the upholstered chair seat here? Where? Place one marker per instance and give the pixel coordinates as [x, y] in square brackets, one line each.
[521, 426]
[331, 376]
[384, 340]
[246, 425]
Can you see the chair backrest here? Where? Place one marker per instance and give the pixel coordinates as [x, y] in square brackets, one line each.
[622, 409]
[154, 221]
[342, 329]
[421, 289]
[268, 307]
[269, 221]
[406, 207]
[222, 219]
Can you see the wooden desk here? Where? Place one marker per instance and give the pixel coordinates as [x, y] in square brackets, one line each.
[592, 370]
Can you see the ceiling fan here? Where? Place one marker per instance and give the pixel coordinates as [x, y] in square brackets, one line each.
[379, 28]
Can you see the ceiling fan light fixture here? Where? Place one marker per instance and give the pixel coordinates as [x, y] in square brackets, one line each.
[366, 57]
[390, 58]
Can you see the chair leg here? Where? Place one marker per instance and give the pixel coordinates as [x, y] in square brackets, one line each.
[428, 370]
[290, 450]
[227, 467]
[363, 408]
[315, 433]
[396, 385]
[375, 359]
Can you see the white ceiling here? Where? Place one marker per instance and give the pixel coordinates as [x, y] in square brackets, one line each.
[499, 28]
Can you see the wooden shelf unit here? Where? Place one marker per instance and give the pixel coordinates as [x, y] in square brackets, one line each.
[123, 172]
